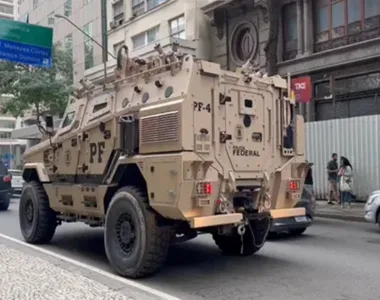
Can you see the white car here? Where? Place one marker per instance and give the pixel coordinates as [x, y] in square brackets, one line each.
[17, 181]
[372, 208]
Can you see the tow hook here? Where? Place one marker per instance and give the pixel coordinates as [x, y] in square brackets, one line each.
[241, 231]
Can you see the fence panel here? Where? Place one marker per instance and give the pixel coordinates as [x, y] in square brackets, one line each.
[358, 139]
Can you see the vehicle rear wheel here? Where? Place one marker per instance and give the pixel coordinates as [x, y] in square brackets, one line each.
[297, 232]
[4, 202]
[135, 244]
[231, 245]
[38, 221]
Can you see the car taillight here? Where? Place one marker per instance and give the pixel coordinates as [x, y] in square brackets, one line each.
[294, 185]
[203, 189]
[7, 178]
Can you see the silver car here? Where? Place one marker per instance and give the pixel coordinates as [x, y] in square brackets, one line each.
[372, 208]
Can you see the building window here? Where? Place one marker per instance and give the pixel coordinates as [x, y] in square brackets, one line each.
[343, 22]
[35, 4]
[88, 47]
[5, 135]
[141, 6]
[69, 44]
[68, 6]
[177, 28]
[118, 11]
[7, 124]
[289, 25]
[117, 46]
[6, 9]
[145, 38]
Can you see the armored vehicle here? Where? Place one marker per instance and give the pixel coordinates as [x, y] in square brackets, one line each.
[172, 147]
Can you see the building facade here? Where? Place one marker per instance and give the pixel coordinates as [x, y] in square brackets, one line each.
[141, 24]
[336, 43]
[86, 14]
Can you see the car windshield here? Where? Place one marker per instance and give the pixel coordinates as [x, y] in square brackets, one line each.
[15, 172]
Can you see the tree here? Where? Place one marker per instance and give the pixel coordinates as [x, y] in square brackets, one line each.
[271, 46]
[42, 90]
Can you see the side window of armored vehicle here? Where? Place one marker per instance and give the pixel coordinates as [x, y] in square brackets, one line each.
[68, 119]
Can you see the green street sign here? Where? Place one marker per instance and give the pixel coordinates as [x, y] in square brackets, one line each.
[25, 33]
[26, 43]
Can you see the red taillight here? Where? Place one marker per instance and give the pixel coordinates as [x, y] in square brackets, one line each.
[294, 185]
[203, 189]
[7, 178]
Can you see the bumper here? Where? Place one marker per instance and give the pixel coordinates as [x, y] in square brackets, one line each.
[17, 190]
[285, 224]
[225, 219]
[290, 218]
[370, 212]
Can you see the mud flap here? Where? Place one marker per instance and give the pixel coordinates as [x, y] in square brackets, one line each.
[259, 228]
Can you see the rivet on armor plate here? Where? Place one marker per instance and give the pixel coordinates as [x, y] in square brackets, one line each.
[125, 102]
[145, 97]
[168, 91]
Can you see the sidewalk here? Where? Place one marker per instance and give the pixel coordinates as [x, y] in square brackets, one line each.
[26, 274]
[355, 213]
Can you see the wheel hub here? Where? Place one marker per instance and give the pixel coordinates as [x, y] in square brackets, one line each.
[125, 232]
[29, 211]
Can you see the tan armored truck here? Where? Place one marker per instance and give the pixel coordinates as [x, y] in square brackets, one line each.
[174, 146]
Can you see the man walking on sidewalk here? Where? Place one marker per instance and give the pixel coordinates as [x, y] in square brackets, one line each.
[332, 174]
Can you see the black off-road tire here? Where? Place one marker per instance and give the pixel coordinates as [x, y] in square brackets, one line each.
[4, 204]
[146, 254]
[231, 245]
[297, 232]
[38, 221]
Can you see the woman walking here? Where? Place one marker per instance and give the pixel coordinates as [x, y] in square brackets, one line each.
[346, 182]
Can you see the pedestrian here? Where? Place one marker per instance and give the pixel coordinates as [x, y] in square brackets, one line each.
[346, 182]
[332, 174]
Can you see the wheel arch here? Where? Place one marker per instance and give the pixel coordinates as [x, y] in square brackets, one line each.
[35, 172]
[125, 174]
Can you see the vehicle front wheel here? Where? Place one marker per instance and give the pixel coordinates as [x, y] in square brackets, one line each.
[4, 202]
[38, 221]
[136, 245]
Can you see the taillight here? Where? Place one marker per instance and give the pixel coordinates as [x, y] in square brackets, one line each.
[294, 185]
[7, 178]
[203, 189]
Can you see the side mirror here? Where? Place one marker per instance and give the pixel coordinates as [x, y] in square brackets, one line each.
[49, 124]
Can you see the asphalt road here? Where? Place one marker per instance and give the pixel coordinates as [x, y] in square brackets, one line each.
[334, 260]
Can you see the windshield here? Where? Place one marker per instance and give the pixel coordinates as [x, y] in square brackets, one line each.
[15, 172]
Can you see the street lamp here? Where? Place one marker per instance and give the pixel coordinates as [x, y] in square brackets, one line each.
[59, 16]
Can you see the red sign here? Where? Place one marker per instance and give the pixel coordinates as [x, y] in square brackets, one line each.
[301, 88]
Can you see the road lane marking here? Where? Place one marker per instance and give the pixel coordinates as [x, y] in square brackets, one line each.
[129, 282]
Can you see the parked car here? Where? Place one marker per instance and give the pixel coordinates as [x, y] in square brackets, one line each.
[372, 208]
[5, 187]
[296, 225]
[17, 181]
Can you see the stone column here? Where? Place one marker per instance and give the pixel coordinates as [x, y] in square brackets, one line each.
[280, 43]
[308, 26]
[299, 28]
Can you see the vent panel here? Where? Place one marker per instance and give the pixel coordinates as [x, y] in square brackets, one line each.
[160, 128]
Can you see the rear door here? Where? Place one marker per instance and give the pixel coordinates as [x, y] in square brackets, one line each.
[248, 119]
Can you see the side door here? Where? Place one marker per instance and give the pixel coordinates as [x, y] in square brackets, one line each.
[68, 152]
[97, 139]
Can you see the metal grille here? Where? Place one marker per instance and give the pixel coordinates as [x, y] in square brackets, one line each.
[160, 128]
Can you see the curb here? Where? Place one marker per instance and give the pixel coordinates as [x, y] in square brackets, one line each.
[340, 217]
